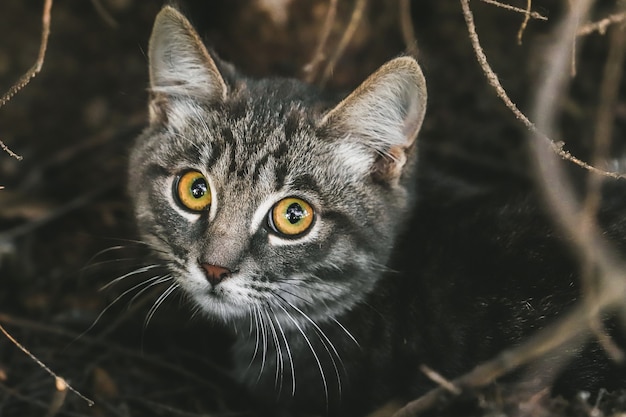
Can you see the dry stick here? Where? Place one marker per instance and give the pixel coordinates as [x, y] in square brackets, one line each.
[111, 347]
[37, 403]
[547, 340]
[558, 192]
[9, 151]
[534, 15]
[520, 32]
[104, 14]
[58, 398]
[595, 253]
[61, 384]
[573, 49]
[406, 25]
[355, 19]
[440, 380]
[589, 258]
[601, 25]
[571, 327]
[587, 240]
[311, 68]
[493, 80]
[609, 88]
[33, 71]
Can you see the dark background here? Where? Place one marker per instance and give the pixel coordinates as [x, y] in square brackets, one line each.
[66, 228]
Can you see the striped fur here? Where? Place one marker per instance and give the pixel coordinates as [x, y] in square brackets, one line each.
[258, 141]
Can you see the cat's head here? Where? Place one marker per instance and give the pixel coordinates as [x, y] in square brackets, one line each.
[259, 194]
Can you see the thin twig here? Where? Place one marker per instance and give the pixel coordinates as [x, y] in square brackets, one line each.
[602, 142]
[567, 329]
[33, 71]
[78, 202]
[32, 401]
[9, 151]
[104, 14]
[601, 25]
[604, 122]
[522, 28]
[60, 383]
[406, 25]
[574, 327]
[58, 398]
[112, 347]
[493, 80]
[601, 266]
[355, 19]
[311, 69]
[573, 48]
[534, 15]
[440, 380]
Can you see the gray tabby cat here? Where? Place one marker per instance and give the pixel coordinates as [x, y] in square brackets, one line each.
[276, 208]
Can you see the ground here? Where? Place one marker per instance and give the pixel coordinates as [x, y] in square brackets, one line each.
[66, 228]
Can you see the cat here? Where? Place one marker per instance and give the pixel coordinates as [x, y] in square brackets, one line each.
[310, 223]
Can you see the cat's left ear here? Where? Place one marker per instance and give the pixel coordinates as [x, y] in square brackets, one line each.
[384, 114]
[180, 65]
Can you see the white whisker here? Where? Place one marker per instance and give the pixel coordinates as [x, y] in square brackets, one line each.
[288, 349]
[159, 301]
[160, 280]
[308, 342]
[148, 283]
[278, 380]
[328, 345]
[135, 272]
[346, 331]
[264, 340]
[256, 342]
[103, 251]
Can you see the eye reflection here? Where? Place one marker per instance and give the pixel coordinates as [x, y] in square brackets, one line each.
[192, 191]
[291, 217]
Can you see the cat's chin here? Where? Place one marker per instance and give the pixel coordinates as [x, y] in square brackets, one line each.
[220, 308]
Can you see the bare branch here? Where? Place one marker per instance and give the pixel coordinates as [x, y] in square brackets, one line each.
[601, 267]
[355, 19]
[9, 151]
[534, 15]
[601, 25]
[440, 380]
[493, 80]
[408, 32]
[60, 383]
[567, 330]
[575, 327]
[311, 69]
[602, 142]
[522, 28]
[33, 71]
[104, 14]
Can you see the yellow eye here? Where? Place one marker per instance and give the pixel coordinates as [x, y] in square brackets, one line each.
[192, 191]
[291, 217]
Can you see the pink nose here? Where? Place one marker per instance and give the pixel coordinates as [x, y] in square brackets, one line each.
[215, 273]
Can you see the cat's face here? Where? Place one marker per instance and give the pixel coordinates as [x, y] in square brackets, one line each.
[256, 195]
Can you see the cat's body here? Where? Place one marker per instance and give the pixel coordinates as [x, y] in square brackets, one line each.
[277, 210]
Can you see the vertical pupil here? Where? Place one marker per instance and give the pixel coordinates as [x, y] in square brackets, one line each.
[295, 213]
[198, 188]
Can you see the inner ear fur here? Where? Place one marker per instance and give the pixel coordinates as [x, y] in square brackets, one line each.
[384, 114]
[180, 65]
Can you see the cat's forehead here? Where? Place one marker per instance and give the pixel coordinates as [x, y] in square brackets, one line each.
[245, 138]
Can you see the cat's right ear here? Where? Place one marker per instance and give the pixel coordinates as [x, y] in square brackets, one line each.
[380, 120]
[180, 65]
